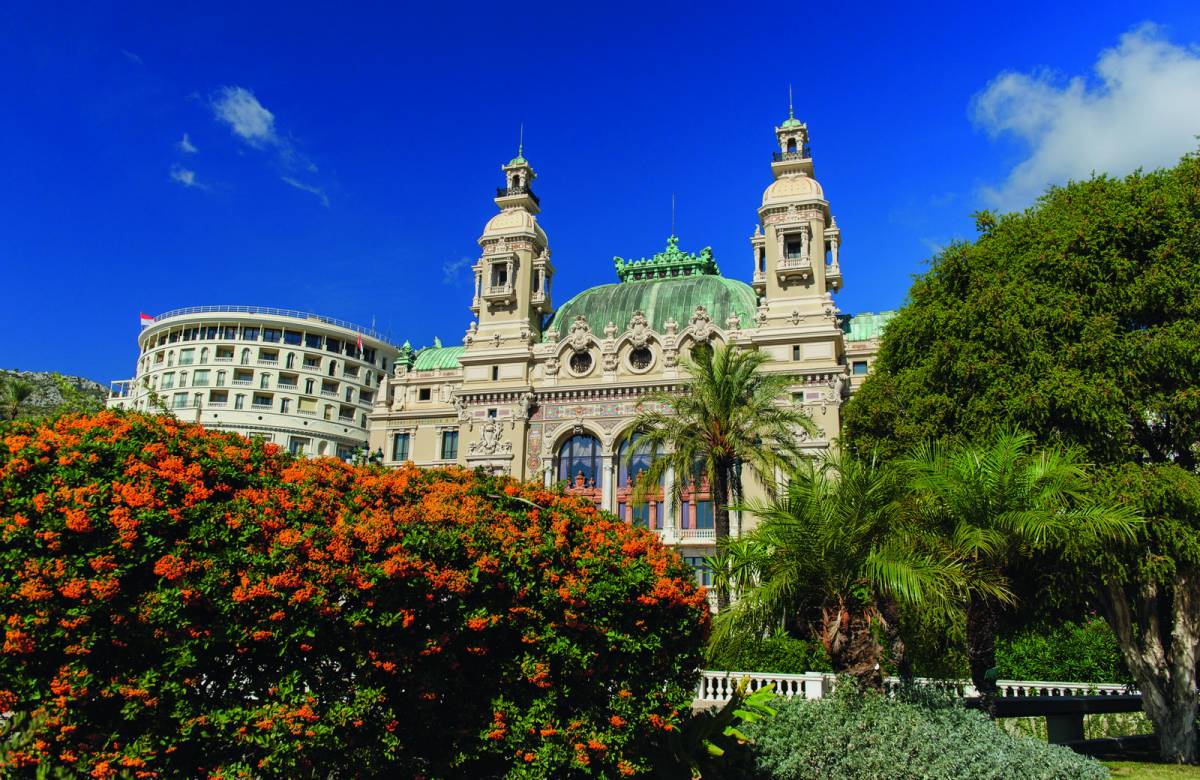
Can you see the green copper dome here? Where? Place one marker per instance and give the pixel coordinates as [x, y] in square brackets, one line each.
[518, 160]
[660, 300]
[791, 121]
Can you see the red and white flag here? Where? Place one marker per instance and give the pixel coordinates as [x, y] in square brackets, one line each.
[360, 345]
[146, 319]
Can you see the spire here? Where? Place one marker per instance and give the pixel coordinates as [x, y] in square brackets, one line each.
[520, 158]
[791, 121]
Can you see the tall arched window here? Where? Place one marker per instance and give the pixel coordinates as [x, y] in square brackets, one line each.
[204, 355]
[291, 363]
[579, 465]
[245, 357]
[332, 367]
[647, 513]
[791, 145]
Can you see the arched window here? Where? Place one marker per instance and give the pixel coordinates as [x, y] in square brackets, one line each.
[245, 357]
[579, 465]
[332, 367]
[171, 358]
[791, 145]
[204, 355]
[647, 513]
[291, 362]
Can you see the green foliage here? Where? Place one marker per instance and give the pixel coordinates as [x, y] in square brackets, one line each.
[712, 744]
[1070, 652]
[779, 653]
[191, 603]
[1079, 321]
[854, 735]
[834, 559]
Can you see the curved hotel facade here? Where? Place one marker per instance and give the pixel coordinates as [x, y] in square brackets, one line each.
[303, 381]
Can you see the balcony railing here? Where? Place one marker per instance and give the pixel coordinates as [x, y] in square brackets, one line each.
[258, 405]
[286, 386]
[346, 418]
[272, 312]
[217, 404]
[243, 382]
[803, 154]
[306, 413]
[223, 359]
[700, 534]
[508, 192]
[268, 361]
[330, 393]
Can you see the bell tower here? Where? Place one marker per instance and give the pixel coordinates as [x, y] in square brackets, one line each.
[795, 244]
[513, 273]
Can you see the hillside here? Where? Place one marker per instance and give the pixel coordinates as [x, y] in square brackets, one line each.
[48, 392]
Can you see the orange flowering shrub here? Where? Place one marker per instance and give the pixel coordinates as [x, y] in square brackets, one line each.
[177, 602]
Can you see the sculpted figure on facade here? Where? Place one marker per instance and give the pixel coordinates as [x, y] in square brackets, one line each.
[580, 334]
[489, 442]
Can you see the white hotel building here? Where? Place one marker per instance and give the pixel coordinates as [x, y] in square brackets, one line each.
[290, 377]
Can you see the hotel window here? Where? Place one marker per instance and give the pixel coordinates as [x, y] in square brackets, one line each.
[249, 334]
[312, 363]
[308, 386]
[179, 401]
[229, 331]
[168, 380]
[350, 394]
[291, 360]
[499, 274]
[400, 443]
[312, 341]
[307, 406]
[204, 355]
[220, 378]
[328, 411]
[265, 381]
[271, 334]
[245, 357]
[332, 367]
[171, 358]
[293, 337]
[495, 373]
[200, 378]
[793, 248]
[284, 404]
[333, 345]
[449, 445]
[703, 572]
[239, 401]
[187, 357]
[796, 352]
[196, 399]
[183, 379]
[859, 367]
[424, 394]
[209, 333]
[298, 445]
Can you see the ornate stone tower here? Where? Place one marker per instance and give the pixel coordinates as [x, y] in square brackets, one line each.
[796, 265]
[513, 274]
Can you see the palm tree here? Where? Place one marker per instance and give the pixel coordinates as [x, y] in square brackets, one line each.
[833, 557]
[997, 504]
[729, 413]
[13, 395]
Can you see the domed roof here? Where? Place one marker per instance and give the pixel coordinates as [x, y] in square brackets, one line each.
[792, 186]
[660, 300]
[518, 160]
[512, 221]
[792, 121]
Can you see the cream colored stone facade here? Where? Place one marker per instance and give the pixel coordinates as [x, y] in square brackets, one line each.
[546, 394]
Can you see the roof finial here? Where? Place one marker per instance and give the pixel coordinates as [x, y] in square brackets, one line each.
[521, 141]
[672, 213]
[790, 114]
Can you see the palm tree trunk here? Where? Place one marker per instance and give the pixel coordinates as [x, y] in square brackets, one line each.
[889, 611]
[720, 493]
[982, 620]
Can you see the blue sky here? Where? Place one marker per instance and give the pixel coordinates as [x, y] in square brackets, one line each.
[340, 159]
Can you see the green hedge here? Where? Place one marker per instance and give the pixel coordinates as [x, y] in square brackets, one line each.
[1071, 652]
[854, 735]
[781, 654]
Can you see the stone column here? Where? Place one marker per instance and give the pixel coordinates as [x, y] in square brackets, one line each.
[607, 488]
[670, 511]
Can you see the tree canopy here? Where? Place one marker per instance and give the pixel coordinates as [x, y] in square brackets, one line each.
[1079, 321]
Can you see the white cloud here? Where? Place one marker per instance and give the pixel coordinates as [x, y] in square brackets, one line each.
[185, 145]
[452, 269]
[320, 193]
[246, 117]
[185, 177]
[1142, 110]
[136, 60]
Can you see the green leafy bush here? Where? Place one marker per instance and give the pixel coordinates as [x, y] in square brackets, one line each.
[781, 654]
[182, 603]
[854, 735]
[1069, 652]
